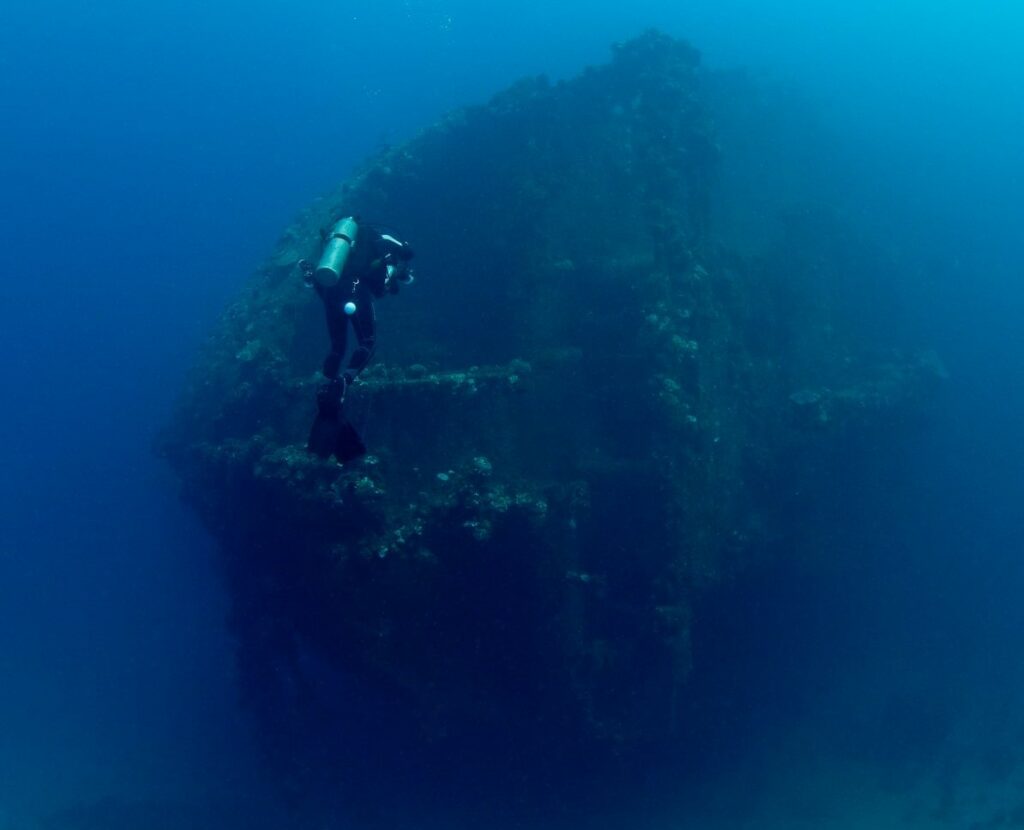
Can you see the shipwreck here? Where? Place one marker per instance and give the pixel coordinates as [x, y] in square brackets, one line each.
[591, 411]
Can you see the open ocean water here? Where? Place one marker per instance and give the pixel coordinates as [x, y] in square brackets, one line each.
[151, 154]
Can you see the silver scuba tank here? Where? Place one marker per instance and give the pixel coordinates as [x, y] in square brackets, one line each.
[339, 245]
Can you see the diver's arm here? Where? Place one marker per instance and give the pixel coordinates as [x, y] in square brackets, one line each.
[396, 255]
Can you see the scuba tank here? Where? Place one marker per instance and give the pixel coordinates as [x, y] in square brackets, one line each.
[339, 245]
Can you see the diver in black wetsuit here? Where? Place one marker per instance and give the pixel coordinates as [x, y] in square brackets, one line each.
[359, 263]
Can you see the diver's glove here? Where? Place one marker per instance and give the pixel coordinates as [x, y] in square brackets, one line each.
[330, 395]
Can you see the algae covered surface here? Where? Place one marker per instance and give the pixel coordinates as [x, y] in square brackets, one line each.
[599, 406]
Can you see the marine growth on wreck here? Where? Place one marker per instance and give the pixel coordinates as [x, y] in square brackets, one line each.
[590, 410]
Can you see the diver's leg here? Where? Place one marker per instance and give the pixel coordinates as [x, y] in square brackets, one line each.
[364, 322]
[337, 328]
[349, 444]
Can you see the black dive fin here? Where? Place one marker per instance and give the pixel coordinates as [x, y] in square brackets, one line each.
[333, 435]
[323, 436]
[349, 445]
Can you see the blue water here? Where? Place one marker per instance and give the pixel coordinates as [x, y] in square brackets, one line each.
[151, 153]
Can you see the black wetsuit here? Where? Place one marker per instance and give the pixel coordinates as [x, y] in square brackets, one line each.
[377, 264]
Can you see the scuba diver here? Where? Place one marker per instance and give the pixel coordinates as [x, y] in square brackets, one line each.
[358, 263]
